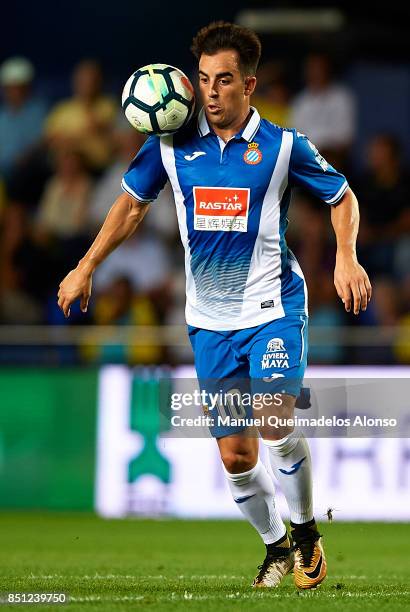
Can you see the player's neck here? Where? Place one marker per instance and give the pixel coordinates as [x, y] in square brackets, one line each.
[226, 133]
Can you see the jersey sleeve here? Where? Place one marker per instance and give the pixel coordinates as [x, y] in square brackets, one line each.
[308, 169]
[146, 175]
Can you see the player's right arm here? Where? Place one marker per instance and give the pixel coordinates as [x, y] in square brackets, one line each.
[142, 182]
[121, 221]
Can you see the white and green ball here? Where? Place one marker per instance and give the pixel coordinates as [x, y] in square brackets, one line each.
[158, 99]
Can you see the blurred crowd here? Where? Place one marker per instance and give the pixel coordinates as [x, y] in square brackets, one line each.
[60, 171]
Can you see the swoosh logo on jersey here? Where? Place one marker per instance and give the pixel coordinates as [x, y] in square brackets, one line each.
[317, 569]
[194, 155]
[294, 468]
[240, 500]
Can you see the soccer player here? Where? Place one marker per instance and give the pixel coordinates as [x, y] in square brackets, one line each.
[232, 174]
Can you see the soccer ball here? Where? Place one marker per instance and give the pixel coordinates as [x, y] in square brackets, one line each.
[158, 99]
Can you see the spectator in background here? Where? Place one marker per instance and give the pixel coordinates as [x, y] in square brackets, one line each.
[325, 314]
[23, 284]
[2, 198]
[125, 144]
[402, 340]
[117, 305]
[21, 114]
[384, 244]
[384, 196]
[310, 237]
[325, 111]
[60, 224]
[161, 219]
[273, 97]
[384, 311]
[145, 261]
[84, 120]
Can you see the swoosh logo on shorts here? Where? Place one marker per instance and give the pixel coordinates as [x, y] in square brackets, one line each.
[240, 500]
[294, 468]
[317, 569]
[272, 377]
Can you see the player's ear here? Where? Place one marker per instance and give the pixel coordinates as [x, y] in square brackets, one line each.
[250, 84]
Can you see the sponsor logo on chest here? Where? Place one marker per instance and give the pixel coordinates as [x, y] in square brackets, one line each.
[221, 209]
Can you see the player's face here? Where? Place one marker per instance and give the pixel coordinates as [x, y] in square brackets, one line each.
[224, 89]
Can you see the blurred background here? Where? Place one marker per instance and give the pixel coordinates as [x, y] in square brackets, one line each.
[340, 76]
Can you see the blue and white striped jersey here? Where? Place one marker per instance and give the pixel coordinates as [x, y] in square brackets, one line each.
[232, 200]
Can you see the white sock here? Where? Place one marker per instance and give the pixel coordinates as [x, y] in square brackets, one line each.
[292, 466]
[253, 492]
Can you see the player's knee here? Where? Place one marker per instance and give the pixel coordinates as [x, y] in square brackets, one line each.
[276, 433]
[238, 462]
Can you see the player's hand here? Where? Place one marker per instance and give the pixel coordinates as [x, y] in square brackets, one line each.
[76, 285]
[352, 283]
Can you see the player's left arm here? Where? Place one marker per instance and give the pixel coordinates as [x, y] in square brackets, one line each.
[350, 278]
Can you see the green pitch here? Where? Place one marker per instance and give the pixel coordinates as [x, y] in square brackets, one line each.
[193, 565]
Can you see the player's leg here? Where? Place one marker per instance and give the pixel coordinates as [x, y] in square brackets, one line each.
[252, 488]
[253, 491]
[290, 460]
[250, 484]
[289, 457]
[277, 367]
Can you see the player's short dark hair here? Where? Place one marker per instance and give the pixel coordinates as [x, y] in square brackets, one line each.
[222, 35]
